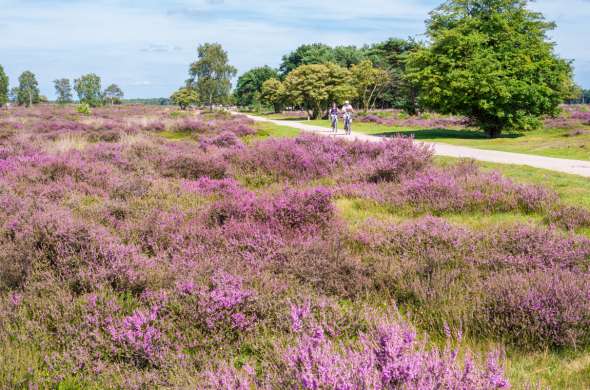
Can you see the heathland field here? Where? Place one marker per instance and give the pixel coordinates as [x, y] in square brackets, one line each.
[144, 247]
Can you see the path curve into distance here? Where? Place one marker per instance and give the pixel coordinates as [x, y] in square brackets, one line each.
[575, 167]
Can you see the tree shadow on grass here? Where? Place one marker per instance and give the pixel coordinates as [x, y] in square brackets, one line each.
[441, 133]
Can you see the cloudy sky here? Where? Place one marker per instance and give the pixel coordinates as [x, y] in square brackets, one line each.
[145, 46]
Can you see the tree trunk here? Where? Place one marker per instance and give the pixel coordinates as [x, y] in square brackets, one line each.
[493, 133]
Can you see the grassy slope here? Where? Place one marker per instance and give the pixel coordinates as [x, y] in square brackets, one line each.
[547, 142]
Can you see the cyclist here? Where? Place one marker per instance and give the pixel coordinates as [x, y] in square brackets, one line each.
[334, 117]
[347, 111]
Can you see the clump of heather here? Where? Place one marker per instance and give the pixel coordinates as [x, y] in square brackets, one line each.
[400, 157]
[568, 217]
[544, 307]
[224, 139]
[389, 355]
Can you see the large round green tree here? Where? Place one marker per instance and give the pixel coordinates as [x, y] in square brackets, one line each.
[491, 61]
[314, 87]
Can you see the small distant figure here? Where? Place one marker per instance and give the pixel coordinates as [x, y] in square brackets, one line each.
[347, 110]
[334, 117]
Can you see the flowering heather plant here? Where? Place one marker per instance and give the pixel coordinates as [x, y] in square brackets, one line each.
[138, 337]
[548, 307]
[222, 140]
[400, 157]
[389, 356]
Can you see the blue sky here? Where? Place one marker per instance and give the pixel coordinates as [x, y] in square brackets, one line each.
[146, 46]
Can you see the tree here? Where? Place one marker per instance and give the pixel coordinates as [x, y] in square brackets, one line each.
[28, 89]
[88, 89]
[273, 94]
[3, 87]
[370, 82]
[63, 90]
[250, 84]
[316, 53]
[490, 60]
[391, 55]
[319, 53]
[315, 86]
[347, 56]
[211, 74]
[13, 95]
[113, 93]
[184, 97]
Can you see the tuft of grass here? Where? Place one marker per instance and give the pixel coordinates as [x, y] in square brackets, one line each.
[265, 130]
[175, 135]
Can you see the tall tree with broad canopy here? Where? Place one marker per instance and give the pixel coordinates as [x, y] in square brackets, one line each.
[249, 85]
[63, 90]
[184, 97]
[88, 89]
[491, 61]
[273, 94]
[319, 53]
[3, 87]
[370, 82]
[211, 74]
[390, 55]
[113, 93]
[315, 86]
[28, 89]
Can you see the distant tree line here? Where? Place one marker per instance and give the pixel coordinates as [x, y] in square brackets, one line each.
[375, 76]
[87, 87]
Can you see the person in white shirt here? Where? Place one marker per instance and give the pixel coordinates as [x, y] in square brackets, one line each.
[347, 110]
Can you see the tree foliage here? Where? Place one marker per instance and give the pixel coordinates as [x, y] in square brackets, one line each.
[314, 86]
[211, 74]
[3, 87]
[490, 60]
[273, 93]
[370, 82]
[184, 97]
[319, 53]
[249, 86]
[391, 55]
[89, 90]
[28, 89]
[114, 94]
[63, 90]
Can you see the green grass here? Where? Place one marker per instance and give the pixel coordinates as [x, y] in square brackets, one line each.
[560, 143]
[265, 130]
[175, 135]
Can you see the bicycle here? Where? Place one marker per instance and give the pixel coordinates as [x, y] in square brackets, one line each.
[347, 123]
[334, 122]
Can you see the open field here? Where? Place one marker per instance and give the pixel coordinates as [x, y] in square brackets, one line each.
[565, 137]
[145, 247]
